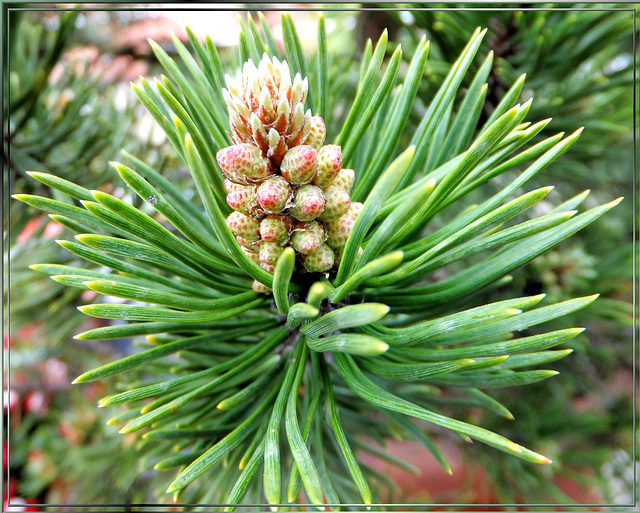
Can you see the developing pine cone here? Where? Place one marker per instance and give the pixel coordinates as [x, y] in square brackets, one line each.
[286, 187]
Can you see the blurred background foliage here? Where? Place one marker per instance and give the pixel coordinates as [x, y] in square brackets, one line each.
[70, 111]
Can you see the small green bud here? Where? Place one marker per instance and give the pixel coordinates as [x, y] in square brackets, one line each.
[244, 163]
[338, 202]
[299, 164]
[260, 288]
[317, 133]
[344, 179]
[308, 203]
[273, 194]
[329, 165]
[338, 231]
[254, 257]
[270, 268]
[243, 199]
[320, 260]
[307, 237]
[269, 253]
[251, 246]
[244, 226]
[231, 186]
[276, 228]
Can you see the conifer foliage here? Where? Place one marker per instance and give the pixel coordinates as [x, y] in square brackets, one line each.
[299, 310]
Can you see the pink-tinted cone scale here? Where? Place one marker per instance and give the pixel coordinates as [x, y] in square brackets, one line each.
[285, 186]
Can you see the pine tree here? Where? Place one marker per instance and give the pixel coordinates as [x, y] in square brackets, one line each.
[261, 374]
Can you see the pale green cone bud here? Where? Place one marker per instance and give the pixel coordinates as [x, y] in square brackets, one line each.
[244, 163]
[317, 133]
[299, 164]
[338, 231]
[355, 208]
[344, 179]
[243, 199]
[308, 203]
[320, 260]
[251, 246]
[251, 255]
[337, 256]
[244, 226]
[338, 202]
[268, 267]
[273, 194]
[231, 186]
[276, 228]
[269, 253]
[307, 237]
[329, 165]
[260, 288]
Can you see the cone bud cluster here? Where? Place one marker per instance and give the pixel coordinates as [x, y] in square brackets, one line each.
[286, 187]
